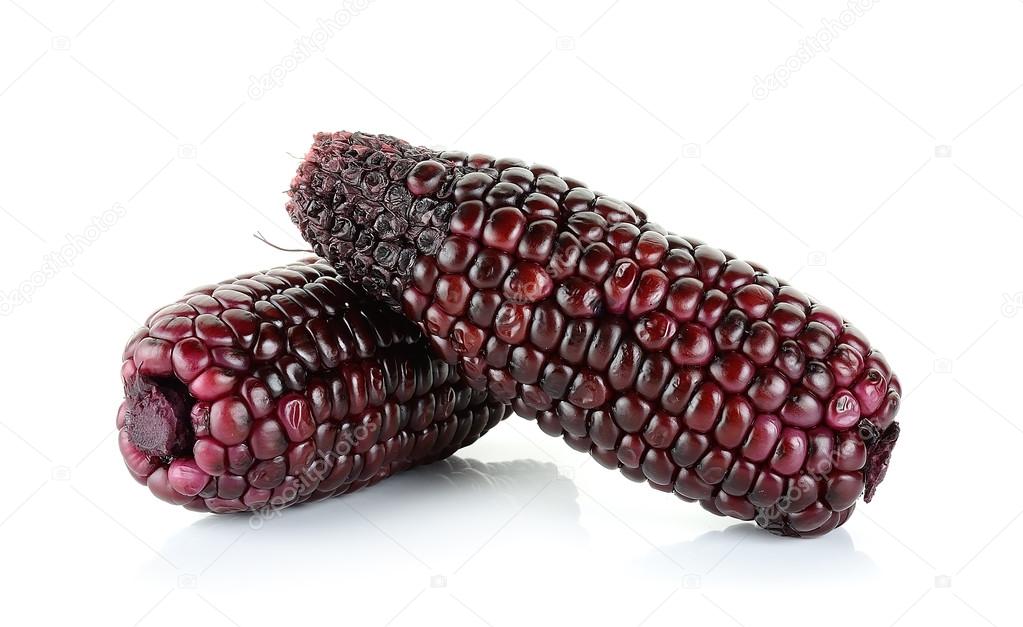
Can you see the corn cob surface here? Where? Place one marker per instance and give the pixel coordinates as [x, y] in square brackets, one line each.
[285, 386]
[666, 358]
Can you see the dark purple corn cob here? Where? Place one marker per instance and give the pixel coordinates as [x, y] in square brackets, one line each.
[286, 386]
[660, 355]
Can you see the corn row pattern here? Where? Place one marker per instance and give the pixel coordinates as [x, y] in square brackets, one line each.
[664, 357]
[285, 386]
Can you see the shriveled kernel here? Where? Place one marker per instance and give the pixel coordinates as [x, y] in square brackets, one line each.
[843, 411]
[587, 391]
[467, 338]
[512, 322]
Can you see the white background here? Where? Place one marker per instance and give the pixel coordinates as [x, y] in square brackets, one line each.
[883, 177]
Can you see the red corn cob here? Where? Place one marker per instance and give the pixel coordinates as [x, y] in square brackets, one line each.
[660, 355]
[285, 386]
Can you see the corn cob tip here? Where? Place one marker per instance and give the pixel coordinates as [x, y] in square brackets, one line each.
[385, 227]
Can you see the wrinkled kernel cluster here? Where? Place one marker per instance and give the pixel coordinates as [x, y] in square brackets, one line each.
[664, 357]
[302, 389]
[381, 227]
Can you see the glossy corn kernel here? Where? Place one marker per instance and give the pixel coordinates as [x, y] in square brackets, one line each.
[286, 386]
[668, 359]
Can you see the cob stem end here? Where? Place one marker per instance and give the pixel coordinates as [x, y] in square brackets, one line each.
[158, 419]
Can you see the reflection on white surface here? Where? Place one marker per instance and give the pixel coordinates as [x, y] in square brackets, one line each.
[743, 554]
[444, 514]
[438, 515]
